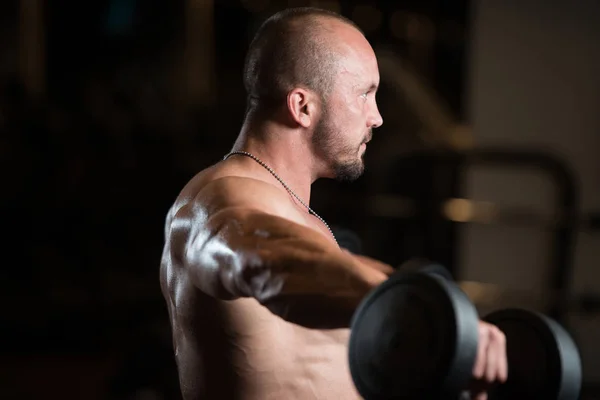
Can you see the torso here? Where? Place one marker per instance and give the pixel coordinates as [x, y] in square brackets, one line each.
[238, 349]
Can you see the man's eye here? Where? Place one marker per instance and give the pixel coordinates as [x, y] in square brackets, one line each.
[364, 95]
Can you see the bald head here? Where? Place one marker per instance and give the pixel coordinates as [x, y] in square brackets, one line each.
[295, 47]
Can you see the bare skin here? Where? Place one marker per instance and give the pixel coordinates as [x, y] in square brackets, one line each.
[259, 294]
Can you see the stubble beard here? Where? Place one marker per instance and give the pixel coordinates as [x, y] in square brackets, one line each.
[345, 162]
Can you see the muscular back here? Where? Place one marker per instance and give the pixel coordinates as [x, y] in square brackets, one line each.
[258, 293]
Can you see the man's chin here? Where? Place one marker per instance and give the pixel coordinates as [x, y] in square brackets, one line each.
[347, 178]
[349, 172]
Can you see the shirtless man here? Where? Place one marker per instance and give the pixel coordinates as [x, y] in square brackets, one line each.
[259, 294]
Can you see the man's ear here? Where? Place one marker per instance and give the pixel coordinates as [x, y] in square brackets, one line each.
[302, 106]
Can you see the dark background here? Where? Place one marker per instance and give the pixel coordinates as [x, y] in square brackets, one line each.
[107, 108]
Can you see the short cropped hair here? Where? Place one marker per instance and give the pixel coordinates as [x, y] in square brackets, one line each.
[289, 50]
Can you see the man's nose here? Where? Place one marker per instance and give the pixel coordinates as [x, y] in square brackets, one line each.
[376, 119]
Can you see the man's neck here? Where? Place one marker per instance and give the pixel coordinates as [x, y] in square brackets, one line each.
[284, 150]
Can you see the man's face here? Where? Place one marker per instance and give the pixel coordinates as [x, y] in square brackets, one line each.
[349, 114]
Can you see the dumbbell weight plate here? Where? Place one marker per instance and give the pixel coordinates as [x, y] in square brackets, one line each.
[423, 265]
[413, 337]
[543, 360]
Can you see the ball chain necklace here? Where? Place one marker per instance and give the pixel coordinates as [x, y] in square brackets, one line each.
[290, 191]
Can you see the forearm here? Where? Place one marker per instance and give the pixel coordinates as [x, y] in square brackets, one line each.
[314, 288]
[373, 263]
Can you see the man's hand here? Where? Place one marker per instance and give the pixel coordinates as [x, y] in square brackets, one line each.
[491, 367]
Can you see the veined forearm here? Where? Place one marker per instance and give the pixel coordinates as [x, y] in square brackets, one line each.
[313, 288]
[372, 263]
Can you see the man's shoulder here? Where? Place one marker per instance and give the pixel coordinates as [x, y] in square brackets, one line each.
[243, 194]
[214, 190]
[239, 190]
[231, 184]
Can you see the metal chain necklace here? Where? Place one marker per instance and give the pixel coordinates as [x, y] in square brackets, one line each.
[290, 191]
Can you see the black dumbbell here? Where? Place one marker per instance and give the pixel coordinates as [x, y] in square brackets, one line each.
[426, 266]
[415, 337]
[543, 359]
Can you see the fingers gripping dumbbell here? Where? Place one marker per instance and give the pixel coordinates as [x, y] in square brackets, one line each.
[416, 337]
